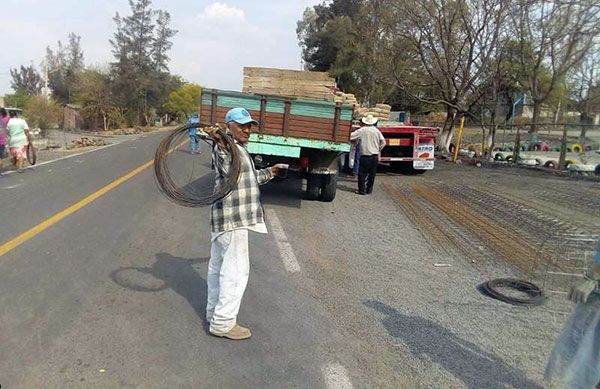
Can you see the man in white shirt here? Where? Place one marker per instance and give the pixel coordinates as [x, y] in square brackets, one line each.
[371, 143]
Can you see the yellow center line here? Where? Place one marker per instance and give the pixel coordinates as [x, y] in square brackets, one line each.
[25, 236]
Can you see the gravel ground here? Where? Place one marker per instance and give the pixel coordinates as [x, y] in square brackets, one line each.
[372, 262]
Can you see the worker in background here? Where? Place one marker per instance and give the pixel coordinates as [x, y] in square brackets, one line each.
[575, 359]
[371, 143]
[231, 219]
[194, 138]
[356, 165]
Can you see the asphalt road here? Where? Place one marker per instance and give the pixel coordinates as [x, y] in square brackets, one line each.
[343, 294]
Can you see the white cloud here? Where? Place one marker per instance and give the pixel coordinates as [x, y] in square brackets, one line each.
[222, 11]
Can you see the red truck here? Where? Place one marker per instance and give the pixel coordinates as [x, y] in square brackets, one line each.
[409, 149]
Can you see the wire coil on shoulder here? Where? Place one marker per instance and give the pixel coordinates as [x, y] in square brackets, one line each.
[191, 195]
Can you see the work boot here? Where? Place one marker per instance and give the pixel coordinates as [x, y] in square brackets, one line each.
[236, 333]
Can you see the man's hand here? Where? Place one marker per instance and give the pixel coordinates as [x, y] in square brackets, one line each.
[279, 168]
[582, 290]
[213, 132]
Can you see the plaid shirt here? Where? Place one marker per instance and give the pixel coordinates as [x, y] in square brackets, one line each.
[242, 207]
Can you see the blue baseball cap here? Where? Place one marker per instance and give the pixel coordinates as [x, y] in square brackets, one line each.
[240, 116]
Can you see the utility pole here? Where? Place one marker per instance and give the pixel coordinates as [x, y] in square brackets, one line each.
[45, 93]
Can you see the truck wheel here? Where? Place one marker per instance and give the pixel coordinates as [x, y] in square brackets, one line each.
[329, 188]
[313, 186]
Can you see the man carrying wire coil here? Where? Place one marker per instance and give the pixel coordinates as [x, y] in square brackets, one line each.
[575, 359]
[231, 219]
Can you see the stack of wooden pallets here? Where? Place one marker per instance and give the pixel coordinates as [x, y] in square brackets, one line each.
[292, 83]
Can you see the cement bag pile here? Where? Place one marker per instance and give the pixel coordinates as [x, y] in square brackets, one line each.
[379, 111]
[345, 98]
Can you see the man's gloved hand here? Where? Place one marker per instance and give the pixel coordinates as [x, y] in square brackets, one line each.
[583, 289]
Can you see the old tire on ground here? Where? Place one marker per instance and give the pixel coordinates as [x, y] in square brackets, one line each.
[551, 164]
[535, 296]
[498, 157]
[328, 188]
[313, 186]
[540, 146]
[577, 148]
[509, 158]
[597, 170]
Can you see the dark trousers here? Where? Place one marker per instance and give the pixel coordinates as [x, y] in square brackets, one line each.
[366, 173]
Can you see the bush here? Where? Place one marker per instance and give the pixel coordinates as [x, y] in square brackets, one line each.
[42, 112]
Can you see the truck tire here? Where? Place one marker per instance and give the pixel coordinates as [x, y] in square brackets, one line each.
[329, 188]
[313, 186]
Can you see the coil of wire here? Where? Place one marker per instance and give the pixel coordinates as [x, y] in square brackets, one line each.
[186, 195]
[534, 294]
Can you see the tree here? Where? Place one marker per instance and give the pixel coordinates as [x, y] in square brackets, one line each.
[162, 43]
[585, 94]
[349, 40]
[184, 101]
[64, 65]
[92, 91]
[319, 46]
[26, 80]
[140, 48]
[554, 37]
[16, 100]
[42, 112]
[455, 43]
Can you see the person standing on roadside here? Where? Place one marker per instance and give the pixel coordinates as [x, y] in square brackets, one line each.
[371, 143]
[575, 359]
[18, 139]
[231, 219]
[356, 165]
[194, 139]
[3, 135]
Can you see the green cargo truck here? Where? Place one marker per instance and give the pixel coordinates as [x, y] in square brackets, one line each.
[309, 135]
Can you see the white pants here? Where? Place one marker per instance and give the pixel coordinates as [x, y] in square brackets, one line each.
[227, 278]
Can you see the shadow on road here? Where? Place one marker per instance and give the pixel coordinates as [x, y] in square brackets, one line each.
[287, 193]
[167, 272]
[429, 341]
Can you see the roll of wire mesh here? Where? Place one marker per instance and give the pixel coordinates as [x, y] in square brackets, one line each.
[191, 195]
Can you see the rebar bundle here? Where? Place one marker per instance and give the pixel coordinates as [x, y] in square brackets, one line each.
[194, 194]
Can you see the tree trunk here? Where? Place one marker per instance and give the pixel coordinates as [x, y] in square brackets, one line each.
[537, 108]
[105, 121]
[445, 137]
[557, 113]
[492, 141]
[585, 120]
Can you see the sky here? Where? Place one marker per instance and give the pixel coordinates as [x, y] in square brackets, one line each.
[216, 39]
